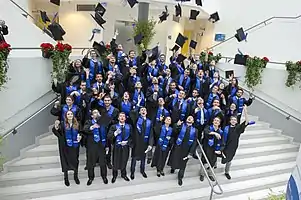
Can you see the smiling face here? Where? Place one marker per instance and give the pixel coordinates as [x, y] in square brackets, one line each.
[95, 114]
[69, 115]
[107, 101]
[216, 121]
[126, 96]
[69, 101]
[167, 120]
[143, 112]
[122, 117]
[189, 120]
[233, 121]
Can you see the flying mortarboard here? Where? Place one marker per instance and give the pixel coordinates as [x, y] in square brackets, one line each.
[181, 40]
[240, 35]
[180, 58]
[178, 10]
[132, 3]
[199, 2]
[99, 48]
[214, 17]
[229, 73]
[194, 14]
[193, 44]
[98, 19]
[57, 31]
[154, 54]
[138, 38]
[44, 16]
[164, 15]
[99, 8]
[56, 2]
[104, 119]
[175, 48]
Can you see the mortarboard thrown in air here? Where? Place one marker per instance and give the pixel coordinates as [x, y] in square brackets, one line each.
[99, 48]
[181, 40]
[57, 31]
[164, 15]
[180, 58]
[178, 10]
[100, 9]
[199, 2]
[154, 54]
[56, 2]
[194, 14]
[138, 38]
[192, 44]
[229, 73]
[98, 19]
[214, 17]
[241, 35]
[44, 16]
[132, 3]
[94, 31]
[175, 48]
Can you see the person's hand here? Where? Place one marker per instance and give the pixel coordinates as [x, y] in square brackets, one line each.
[218, 152]
[117, 132]
[2, 22]
[56, 104]
[123, 143]
[161, 118]
[218, 136]
[222, 96]
[57, 124]
[79, 137]
[87, 71]
[180, 87]
[179, 123]
[149, 148]
[107, 150]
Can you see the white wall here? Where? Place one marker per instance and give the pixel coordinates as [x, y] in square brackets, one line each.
[279, 41]
[22, 32]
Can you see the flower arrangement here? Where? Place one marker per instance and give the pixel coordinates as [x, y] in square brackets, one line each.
[4, 52]
[60, 59]
[294, 73]
[47, 49]
[254, 69]
[211, 57]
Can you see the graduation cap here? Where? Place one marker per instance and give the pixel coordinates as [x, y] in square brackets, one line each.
[138, 38]
[57, 31]
[56, 2]
[199, 2]
[104, 119]
[229, 73]
[175, 48]
[180, 58]
[181, 40]
[164, 15]
[98, 19]
[99, 48]
[240, 35]
[214, 17]
[44, 16]
[100, 9]
[154, 54]
[194, 14]
[193, 44]
[132, 3]
[178, 10]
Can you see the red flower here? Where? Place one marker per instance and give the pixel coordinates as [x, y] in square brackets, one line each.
[265, 59]
[108, 46]
[5, 47]
[46, 46]
[59, 47]
[299, 62]
[210, 53]
[67, 47]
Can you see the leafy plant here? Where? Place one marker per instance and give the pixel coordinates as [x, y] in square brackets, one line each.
[211, 57]
[147, 29]
[4, 52]
[254, 70]
[273, 196]
[47, 49]
[294, 73]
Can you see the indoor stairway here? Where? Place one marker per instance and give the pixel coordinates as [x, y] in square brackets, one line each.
[264, 161]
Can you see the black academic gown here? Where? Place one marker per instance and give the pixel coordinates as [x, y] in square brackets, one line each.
[68, 155]
[160, 156]
[209, 150]
[3, 31]
[120, 153]
[178, 152]
[232, 142]
[96, 152]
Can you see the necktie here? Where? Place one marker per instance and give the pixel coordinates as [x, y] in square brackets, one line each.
[180, 104]
[202, 117]
[122, 131]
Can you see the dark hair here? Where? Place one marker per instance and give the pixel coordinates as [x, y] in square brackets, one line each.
[130, 51]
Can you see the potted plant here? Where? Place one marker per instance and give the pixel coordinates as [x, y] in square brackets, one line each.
[211, 57]
[147, 29]
[254, 69]
[60, 60]
[4, 52]
[294, 73]
[47, 49]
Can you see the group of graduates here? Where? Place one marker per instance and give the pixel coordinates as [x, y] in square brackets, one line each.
[140, 106]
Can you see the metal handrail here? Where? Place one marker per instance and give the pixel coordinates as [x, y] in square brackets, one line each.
[212, 184]
[28, 14]
[14, 130]
[289, 115]
[252, 27]
[228, 59]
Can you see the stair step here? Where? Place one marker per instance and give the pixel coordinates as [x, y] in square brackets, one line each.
[258, 195]
[141, 186]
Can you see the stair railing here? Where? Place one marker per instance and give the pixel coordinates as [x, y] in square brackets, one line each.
[252, 27]
[213, 184]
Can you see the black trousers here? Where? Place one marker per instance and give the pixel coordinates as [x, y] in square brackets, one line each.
[238, 118]
[103, 172]
[123, 172]
[109, 155]
[133, 164]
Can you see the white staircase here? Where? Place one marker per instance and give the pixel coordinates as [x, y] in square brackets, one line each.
[264, 161]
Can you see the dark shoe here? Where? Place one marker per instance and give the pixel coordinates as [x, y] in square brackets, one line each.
[76, 179]
[162, 173]
[211, 178]
[144, 174]
[228, 176]
[126, 178]
[132, 176]
[105, 180]
[86, 168]
[158, 174]
[149, 160]
[201, 178]
[180, 182]
[67, 183]
[195, 156]
[172, 171]
[109, 165]
[113, 179]
[89, 182]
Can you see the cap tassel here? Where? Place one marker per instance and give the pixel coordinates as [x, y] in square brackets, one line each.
[94, 31]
